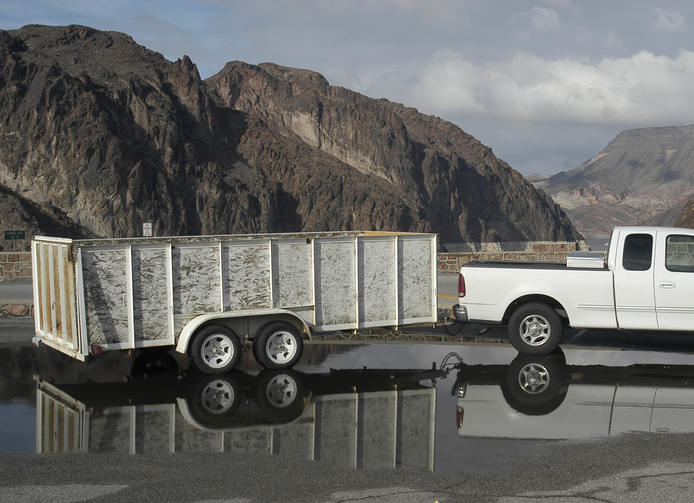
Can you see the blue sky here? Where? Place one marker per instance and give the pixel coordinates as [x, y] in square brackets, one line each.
[546, 84]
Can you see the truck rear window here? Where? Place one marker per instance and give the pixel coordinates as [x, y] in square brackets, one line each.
[638, 252]
[679, 256]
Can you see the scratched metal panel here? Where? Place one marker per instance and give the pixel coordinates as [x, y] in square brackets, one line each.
[377, 286]
[149, 294]
[415, 271]
[196, 279]
[105, 289]
[336, 292]
[292, 267]
[247, 276]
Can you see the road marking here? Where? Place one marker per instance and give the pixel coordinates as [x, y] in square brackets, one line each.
[444, 296]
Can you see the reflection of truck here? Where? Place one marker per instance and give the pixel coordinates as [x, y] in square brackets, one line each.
[350, 418]
[208, 295]
[539, 396]
[645, 284]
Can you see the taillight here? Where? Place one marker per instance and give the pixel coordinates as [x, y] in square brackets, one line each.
[460, 412]
[461, 285]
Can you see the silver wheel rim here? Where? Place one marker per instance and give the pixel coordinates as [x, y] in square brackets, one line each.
[217, 350]
[533, 378]
[217, 397]
[281, 391]
[281, 347]
[535, 330]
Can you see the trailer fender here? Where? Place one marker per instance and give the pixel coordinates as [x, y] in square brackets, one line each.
[271, 314]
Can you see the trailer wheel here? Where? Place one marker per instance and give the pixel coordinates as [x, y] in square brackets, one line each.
[280, 394]
[535, 329]
[215, 350]
[215, 400]
[278, 345]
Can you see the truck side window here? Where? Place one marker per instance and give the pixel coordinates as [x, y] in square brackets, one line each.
[638, 251]
[679, 253]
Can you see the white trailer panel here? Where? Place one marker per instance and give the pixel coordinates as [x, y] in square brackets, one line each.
[134, 293]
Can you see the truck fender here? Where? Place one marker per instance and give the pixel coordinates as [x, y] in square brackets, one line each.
[193, 325]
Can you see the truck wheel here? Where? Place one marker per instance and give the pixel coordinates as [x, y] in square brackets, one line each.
[278, 345]
[534, 383]
[535, 329]
[215, 350]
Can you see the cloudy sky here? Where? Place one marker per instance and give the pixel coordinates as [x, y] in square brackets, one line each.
[545, 83]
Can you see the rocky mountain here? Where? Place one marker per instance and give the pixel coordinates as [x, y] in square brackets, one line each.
[686, 217]
[99, 134]
[643, 176]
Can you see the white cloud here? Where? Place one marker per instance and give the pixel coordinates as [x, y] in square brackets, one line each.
[640, 88]
[612, 39]
[668, 21]
[543, 19]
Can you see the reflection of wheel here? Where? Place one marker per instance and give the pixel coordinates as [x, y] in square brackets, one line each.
[280, 393]
[215, 350]
[153, 362]
[535, 329]
[278, 345]
[534, 384]
[215, 400]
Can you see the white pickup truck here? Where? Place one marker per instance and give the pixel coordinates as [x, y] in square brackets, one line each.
[645, 282]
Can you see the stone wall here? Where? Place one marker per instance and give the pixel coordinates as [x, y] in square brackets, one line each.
[15, 265]
[463, 253]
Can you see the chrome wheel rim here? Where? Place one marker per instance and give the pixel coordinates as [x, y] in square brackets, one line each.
[281, 347]
[217, 397]
[281, 391]
[535, 330]
[533, 378]
[217, 351]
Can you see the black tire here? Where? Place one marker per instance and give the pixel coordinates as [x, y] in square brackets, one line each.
[535, 384]
[215, 400]
[215, 350]
[278, 345]
[535, 329]
[280, 394]
[152, 363]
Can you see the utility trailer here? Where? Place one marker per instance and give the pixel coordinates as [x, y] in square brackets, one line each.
[209, 295]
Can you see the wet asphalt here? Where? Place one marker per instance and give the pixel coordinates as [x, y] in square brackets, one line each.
[625, 468]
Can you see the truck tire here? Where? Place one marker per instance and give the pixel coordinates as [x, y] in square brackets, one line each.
[534, 383]
[535, 329]
[278, 345]
[215, 350]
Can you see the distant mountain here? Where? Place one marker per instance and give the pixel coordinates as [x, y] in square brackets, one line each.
[643, 176]
[99, 134]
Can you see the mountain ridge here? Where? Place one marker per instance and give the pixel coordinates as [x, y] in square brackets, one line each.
[643, 176]
[109, 135]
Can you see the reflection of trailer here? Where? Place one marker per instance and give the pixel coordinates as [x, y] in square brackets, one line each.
[354, 419]
[207, 295]
[541, 397]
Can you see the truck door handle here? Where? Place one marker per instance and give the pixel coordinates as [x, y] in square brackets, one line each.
[668, 284]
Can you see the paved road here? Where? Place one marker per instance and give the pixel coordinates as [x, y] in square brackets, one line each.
[16, 292]
[629, 469]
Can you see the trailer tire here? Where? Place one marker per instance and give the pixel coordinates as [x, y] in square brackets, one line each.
[535, 329]
[280, 394]
[215, 349]
[278, 345]
[215, 400]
